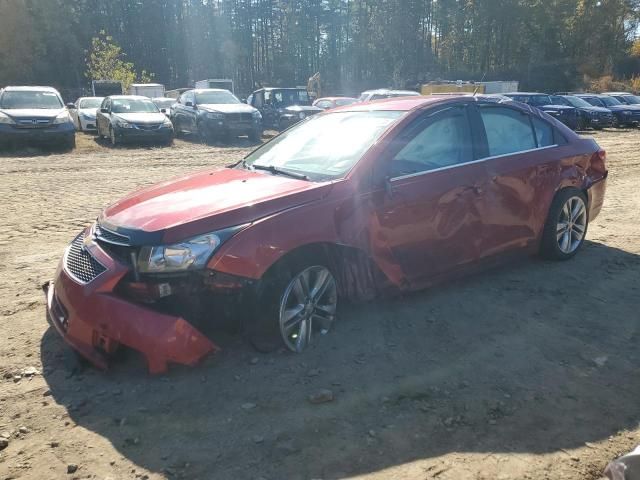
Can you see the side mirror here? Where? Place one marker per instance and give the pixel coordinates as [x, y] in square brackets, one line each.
[163, 110]
[71, 106]
[104, 110]
[243, 100]
[188, 104]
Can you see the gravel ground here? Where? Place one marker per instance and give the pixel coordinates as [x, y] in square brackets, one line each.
[528, 371]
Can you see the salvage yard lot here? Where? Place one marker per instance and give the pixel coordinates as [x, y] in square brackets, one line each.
[528, 371]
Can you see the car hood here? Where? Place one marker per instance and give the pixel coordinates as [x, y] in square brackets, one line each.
[301, 108]
[18, 113]
[227, 107]
[595, 109]
[208, 201]
[621, 108]
[559, 108]
[151, 117]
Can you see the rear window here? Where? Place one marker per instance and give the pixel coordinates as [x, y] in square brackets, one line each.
[30, 99]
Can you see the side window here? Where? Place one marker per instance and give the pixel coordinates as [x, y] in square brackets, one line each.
[443, 140]
[508, 131]
[191, 97]
[544, 132]
[250, 99]
[258, 100]
[107, 104]
[182, 99]
[323, 104]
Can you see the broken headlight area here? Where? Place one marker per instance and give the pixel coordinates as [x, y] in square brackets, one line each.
[204, 298]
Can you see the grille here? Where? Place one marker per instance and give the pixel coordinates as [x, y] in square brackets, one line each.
[33, 123]
[148, 126]
[80, 263]
[111, 237]
[238, 117]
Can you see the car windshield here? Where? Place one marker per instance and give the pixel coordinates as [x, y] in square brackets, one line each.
[631, 99]
[90, 103]
[577, 102]
[30, 99]
[285, 98]
[594, 101]
[133, 106]
[610, 101]
[558, 100]
[215, 98]
[326, 146]
[164, 102]
[340, 102]
[539, 100]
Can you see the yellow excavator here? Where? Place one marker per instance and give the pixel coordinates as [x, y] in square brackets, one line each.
[314, 86]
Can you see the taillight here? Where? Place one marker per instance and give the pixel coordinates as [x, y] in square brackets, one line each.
[599, 162]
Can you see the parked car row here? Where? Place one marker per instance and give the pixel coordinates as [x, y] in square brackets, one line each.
[39, 114]
[586, 110]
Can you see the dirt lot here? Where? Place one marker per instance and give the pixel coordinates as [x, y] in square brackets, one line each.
[530, 371]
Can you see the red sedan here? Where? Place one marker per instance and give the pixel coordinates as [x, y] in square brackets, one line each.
[397, 193]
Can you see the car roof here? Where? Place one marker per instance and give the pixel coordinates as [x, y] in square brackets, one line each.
[389, 90]
[411, 102]
[524, 93]
[128, 97]
[29, 89]
[163, 98]
[618, 93]
[89, 98]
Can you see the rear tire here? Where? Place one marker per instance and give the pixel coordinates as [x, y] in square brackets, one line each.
[566, 225]
[70, 144]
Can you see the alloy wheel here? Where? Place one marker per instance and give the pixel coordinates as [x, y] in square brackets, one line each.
[571, 225]
[308, 305]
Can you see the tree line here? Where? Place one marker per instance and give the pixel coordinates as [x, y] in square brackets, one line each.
[354, 44]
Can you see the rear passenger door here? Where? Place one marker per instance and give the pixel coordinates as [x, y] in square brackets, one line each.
[521, 153]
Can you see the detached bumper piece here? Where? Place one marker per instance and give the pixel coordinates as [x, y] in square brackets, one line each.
[83, 307]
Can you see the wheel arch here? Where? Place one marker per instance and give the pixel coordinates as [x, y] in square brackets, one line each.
[357, 276]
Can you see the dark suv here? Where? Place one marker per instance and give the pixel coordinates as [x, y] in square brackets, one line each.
[589, 116]
[567, 115]
[282, 107]
[623, 115]
[35, 115]
[214, 113]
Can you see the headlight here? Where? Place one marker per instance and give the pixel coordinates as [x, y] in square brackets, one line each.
[187, 255]
[215, 116]
[122, 124]
[256, 115]
[6, 119]
[88, 116]
[62, 118]
[167, 123]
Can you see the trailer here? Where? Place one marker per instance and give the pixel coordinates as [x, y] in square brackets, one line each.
[151, 90]
[506, 86]
[224, 83]
[104, 88]
[175, 93]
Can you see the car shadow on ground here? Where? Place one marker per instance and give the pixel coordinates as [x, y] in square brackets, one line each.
[533, 357]
[33, 151]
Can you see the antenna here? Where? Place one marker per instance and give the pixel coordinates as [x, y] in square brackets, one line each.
[478, 86]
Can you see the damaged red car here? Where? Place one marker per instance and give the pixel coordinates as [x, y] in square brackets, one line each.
[396, 194]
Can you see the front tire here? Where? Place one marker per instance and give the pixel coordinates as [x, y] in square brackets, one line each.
[296, 303]
[112, 137]
[566, 226]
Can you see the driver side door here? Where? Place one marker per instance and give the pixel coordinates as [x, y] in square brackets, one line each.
[427, 219]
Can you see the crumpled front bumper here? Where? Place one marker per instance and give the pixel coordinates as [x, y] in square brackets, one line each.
[94, 320]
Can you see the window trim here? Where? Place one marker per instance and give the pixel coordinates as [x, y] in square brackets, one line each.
[479, 160]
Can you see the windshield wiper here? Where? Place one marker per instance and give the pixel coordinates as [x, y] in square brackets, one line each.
[276, 171]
